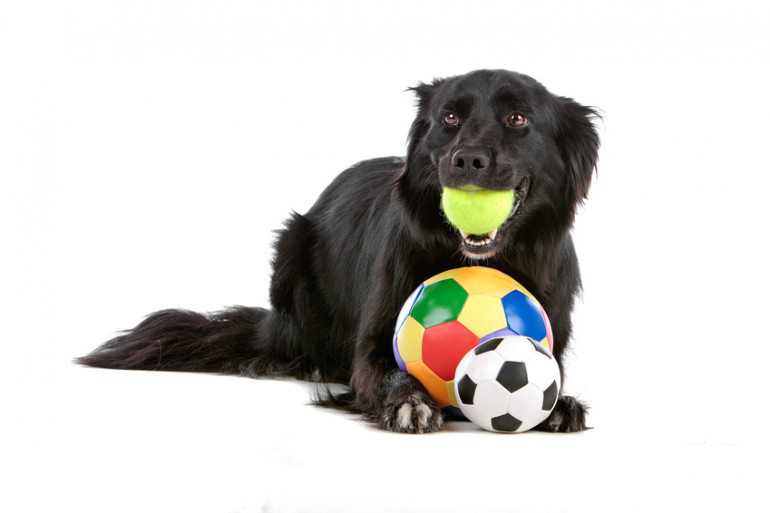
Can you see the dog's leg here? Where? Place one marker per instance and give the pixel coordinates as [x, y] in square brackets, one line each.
[568, 416]
[393, 399]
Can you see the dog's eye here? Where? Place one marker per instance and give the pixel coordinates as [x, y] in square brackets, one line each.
[517, 120]
[451, 119]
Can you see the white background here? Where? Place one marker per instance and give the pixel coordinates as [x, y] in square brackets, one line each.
[149, 149]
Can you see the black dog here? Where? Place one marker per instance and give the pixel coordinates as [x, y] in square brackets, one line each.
[342, 271]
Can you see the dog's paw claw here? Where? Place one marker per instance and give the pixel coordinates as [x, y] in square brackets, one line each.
[412, 415]
[568, 416]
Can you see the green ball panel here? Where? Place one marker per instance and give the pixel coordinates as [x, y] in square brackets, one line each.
[439, 302]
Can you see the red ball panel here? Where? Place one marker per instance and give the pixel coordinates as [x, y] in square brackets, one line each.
[548, 331]
[444, 345]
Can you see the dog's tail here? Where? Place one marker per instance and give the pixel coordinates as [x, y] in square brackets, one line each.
[228, 342]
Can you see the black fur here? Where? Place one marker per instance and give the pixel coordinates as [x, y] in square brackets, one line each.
[342, 271]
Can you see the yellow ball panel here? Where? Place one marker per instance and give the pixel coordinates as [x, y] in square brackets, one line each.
[545, 344]
[485, 281]
[483, 315]
[410, 340]
[435, 386]
[450, 388]
[443, 276]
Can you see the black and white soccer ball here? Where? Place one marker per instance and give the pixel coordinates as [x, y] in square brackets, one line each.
[507, 384]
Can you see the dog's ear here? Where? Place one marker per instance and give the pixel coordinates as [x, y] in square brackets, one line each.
[424, 94]
[578, 142]
[417, 173]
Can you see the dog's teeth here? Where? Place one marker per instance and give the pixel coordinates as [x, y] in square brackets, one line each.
[478, 241]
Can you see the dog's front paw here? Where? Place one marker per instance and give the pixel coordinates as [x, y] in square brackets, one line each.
[415, 413]
[568, 416]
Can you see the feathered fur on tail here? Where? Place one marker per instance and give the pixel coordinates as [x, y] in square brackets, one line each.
[179, 340]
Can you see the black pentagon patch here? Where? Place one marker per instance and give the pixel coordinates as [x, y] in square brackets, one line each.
[540, 348]
[512, 375]
[506, 422]
[549, 397]
[488, 345]
[466, 388]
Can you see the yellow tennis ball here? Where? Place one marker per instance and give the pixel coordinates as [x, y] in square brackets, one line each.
[476, 211]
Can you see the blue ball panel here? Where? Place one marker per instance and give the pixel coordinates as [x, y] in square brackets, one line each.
[524, 315]
[454, 413]
[505, 332]
[400, 361]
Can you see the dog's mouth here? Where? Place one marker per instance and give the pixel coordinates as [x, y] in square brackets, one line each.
[486, 245]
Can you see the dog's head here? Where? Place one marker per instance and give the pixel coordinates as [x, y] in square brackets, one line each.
[501, 131]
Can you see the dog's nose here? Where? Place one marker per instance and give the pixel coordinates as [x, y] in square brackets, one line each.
[470, 160]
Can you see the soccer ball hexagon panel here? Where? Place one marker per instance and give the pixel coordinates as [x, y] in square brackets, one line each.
[507, 384]
[453, 312]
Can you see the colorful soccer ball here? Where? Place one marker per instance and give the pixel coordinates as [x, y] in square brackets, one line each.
[451, 313]
[507, 384]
